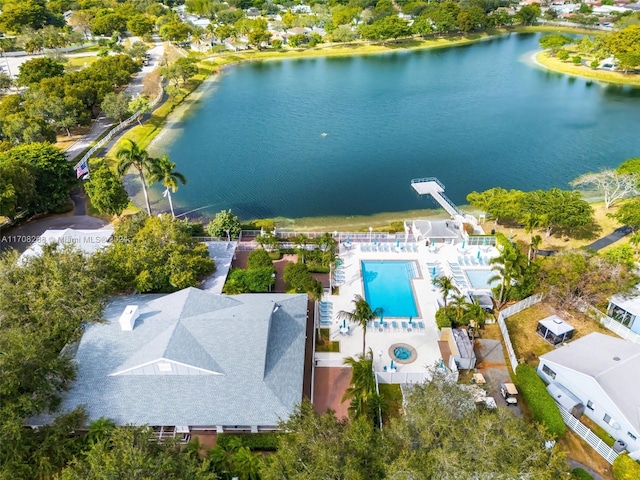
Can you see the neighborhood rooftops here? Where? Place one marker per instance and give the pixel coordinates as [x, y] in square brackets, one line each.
[194, 358]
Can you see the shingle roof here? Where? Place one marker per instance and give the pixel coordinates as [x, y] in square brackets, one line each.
[255, 350]
[612, 362]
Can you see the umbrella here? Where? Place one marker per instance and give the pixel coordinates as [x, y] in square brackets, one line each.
[344, 323]
[410, 320]
[392, 365]
[478, 253]
[348, 239]
[463, 244]
[398, 244]
[433, 272]
[484, 242]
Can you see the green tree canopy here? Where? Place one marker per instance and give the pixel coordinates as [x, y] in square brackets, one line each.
[53, 174]
[554, 42]
[105, 190]
[154, 254]
[33, 71]
[223, 221]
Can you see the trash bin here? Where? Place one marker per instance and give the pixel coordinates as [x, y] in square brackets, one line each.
[619, 446]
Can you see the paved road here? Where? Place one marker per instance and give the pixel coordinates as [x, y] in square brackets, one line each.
[22, 236]
[617, 234]
[102, 124]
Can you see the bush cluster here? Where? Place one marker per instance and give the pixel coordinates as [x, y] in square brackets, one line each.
[261, 441]
[625, 468]
[543, 407]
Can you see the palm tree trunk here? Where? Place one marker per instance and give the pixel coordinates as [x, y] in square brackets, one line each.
[144, 190]
[364, 338]
[170, 203]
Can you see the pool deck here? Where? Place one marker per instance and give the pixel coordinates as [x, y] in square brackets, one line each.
[425, 341]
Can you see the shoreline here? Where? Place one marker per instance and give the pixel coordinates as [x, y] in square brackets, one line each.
[540, 59]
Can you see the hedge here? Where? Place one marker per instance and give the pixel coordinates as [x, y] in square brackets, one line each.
[543, 407]
[580, 474]
[254, 441]
[625, 468]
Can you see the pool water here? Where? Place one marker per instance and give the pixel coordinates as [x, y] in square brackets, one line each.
[480, 278]
[402, 353]
[387, 284]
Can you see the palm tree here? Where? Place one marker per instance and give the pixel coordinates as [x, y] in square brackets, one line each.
[459, 307]
[301, 242]
[132, 155]
[446, 285]
[509, 266]
[476, 313]
[361, 315]
[362, 390]
[536, 240]
[531, 221]
[163, 172]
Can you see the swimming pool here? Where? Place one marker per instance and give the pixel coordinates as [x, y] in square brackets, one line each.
[480, 278]
[387, 284]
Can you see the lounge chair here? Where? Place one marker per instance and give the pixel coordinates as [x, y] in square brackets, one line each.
[404, 325]
[420, 325]
[376, 325]
[394, 324]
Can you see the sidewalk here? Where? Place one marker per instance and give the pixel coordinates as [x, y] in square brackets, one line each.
[102, 124]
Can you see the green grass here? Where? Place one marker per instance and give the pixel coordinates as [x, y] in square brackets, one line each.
[600, 432]
[76, 63]
[392, 396]
[580, 474]
[324, 344]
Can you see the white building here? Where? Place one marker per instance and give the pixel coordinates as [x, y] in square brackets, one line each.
[602, 372]
[626, 310]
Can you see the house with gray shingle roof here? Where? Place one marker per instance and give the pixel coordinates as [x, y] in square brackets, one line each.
[192, 360]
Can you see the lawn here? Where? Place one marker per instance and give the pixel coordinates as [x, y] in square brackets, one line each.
[76, 63]
[324, 344]
[392, 395]
[528, 345]
[603, 225]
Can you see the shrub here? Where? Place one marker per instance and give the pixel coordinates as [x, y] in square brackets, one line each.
[625, 468]
[580, 474]
[259, 258]
[253, 441]
[594, 64]
[562, 54]
[443, 317]
[543, 407]
[577, 59]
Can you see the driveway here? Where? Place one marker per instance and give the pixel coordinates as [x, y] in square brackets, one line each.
[492, 364]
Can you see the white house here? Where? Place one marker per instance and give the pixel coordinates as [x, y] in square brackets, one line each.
[626, 310]
[602, 372]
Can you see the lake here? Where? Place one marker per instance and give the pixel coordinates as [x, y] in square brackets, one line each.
[476, 117]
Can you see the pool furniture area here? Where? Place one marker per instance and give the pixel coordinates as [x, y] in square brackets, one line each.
[326, 313]
[387, 285]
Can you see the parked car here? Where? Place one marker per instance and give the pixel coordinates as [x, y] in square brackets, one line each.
[509, 393]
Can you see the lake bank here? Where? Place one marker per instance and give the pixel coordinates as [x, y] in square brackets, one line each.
[546, 61]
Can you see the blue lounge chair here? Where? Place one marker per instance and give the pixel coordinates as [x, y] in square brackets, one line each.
[394, 324]
[404, 325]
[420, 325]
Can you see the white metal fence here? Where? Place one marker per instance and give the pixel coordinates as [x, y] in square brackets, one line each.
[507, 312]
[591, 438]
[118, 128]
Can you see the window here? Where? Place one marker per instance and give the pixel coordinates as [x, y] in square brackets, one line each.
[548, 371]
[633, 437]
[607, 418]
[590, 405]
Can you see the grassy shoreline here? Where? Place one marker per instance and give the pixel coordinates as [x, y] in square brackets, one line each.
[556, 65]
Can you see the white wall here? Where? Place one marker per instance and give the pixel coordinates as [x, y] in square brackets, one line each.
[587, 389]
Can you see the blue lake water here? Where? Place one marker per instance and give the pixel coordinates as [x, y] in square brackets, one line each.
[476, 117]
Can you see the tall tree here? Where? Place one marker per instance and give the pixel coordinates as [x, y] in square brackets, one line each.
[509, 266]
[446, 286]
[362, 390]
[361, 315]
[105, 190]
[165, 173]
[131, 155]
[612, 185]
